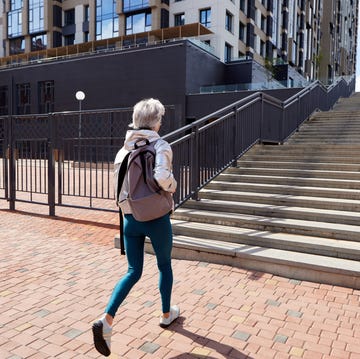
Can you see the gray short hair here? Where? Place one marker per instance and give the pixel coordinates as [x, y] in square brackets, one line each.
[147, 113]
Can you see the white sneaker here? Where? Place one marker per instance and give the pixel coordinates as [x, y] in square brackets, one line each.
[174, 314]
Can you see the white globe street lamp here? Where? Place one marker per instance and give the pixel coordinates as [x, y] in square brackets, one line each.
[80, 96]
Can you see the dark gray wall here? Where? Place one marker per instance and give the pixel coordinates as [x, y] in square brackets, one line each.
[237, 73]
[202, 69]
[109, 80]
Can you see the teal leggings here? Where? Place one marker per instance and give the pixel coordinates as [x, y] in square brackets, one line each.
[160, 233]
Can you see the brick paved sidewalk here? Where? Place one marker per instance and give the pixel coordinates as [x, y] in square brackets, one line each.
[56, 276]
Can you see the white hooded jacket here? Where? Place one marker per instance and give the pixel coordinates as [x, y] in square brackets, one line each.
[163, 164]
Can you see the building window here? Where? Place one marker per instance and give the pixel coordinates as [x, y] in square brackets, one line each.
[107, 20]
[69, 39]
[86, 36]
[229, 21]
[16, 4]
[38, 42]
[138, 23]
[205, 17]
[36, 16]
[179, 19]
[14, 23]
[262, 48]
[131, 5]
[4, 100]
[263, 23]
[46, 96]
[23, 99]
[86, 13]
[243, 5]
[228, 52]
[69, 17]
[17, 46]
[242, 32]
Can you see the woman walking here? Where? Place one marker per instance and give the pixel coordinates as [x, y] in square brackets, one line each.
[146, 122]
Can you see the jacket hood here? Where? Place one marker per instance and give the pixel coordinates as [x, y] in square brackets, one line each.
[132, 136]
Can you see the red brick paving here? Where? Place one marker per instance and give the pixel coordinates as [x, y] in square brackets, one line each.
[56, 275]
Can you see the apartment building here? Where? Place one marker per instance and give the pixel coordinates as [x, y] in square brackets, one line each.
[337, 53]
[316, 38]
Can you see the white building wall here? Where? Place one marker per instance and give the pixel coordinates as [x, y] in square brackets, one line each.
[2, 28]
[79, 19]
[192, 8]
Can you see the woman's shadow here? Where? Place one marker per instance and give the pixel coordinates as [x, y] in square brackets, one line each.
[226, 350]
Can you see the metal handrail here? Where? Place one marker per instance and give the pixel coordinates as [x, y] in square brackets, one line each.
[287, 116]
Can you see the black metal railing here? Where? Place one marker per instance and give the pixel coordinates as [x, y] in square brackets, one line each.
[65, 159]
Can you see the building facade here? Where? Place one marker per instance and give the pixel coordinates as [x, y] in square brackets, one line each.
[337, 54]
[317, 38]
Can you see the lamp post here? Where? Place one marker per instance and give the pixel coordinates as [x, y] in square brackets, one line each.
[80, 96]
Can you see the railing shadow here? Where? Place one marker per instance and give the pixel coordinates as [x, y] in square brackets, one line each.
[225, 350]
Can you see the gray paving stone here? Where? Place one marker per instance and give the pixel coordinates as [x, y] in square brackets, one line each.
[280, 338]
[149, 303]
[211, 306]
[274, 303]
[241, 335]
[150, 348]
[198, 292]
[42, 313]
[73, 333]
[294, 313]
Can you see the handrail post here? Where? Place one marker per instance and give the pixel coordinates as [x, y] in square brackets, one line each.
[12, 165]
[5, 156]
[282, 124]
[51, 168]
[195, 164]
[261, 132]
[298, 115]
[235, 136]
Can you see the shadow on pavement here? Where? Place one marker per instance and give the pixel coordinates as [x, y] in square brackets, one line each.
[226, 350]
[65, 219]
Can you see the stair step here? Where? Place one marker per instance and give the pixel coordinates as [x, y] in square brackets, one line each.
[326, 137]
[295, 149]
[348, 167]
[280, 227]
[282, 200]
[300, 213]
[326, 140]
[286, 157]
[313, 182]
[300, 266]
[315, 149]
[344, 175]
[284, 189]
[319, 129]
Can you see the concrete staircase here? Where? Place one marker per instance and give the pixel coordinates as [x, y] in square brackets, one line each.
[291, 210]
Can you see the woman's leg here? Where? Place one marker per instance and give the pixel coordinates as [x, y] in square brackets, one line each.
[160, 233]
[134, 249]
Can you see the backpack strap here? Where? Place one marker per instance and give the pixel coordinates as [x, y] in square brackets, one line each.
[122, 172]
[142, 155]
